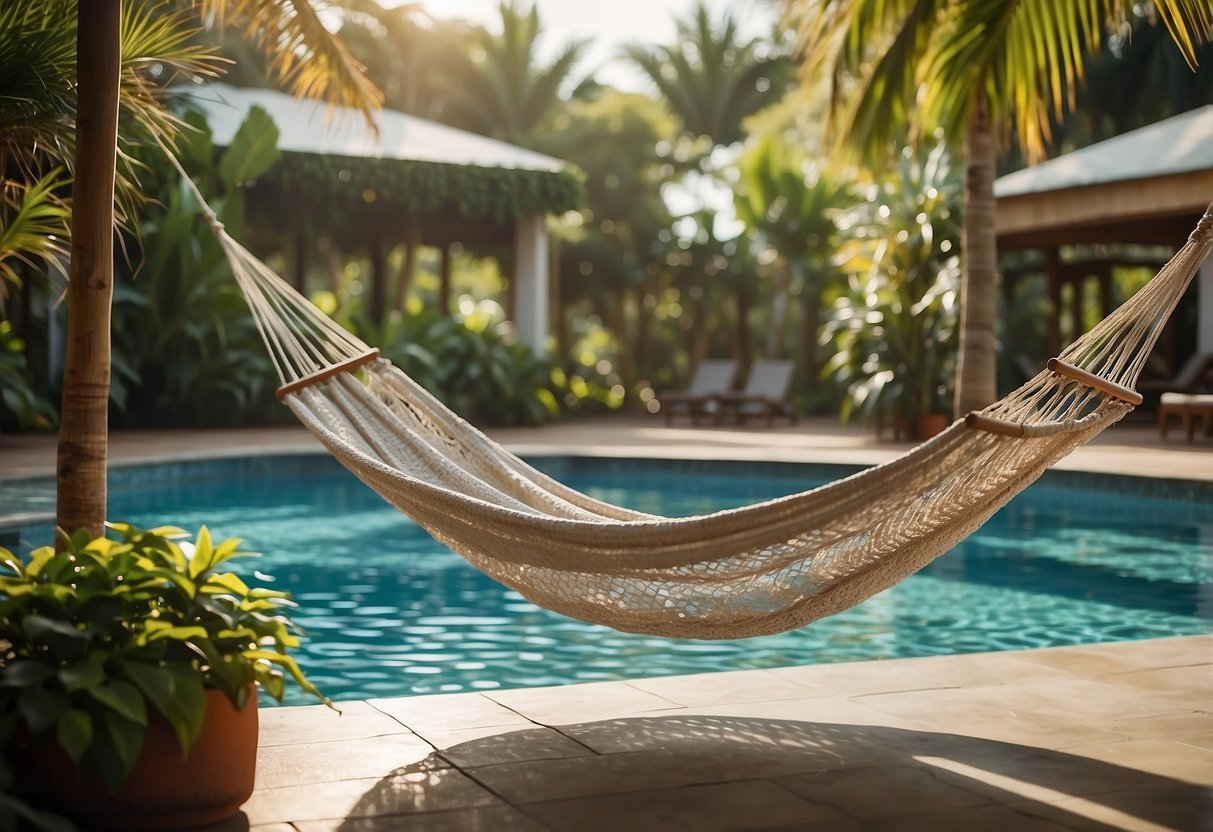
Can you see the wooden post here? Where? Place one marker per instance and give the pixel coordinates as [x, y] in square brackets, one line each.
[84, 425]
[444, 280]
[378, 287]
[1054, 277]
[300, 281]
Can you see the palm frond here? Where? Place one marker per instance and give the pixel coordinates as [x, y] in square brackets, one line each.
[311, 61]
[34, 225]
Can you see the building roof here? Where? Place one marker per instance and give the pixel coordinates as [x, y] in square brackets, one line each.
[1181, 144]
[309, 126]
[1147, 186]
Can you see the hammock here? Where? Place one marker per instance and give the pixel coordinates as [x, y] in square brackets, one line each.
[748, 571]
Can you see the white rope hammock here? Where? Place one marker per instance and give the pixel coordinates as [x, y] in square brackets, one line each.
[747, 571]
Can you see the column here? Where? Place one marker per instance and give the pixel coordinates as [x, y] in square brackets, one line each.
[530, 281]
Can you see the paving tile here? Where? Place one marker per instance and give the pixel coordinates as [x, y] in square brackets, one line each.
[968, 819]
[1186, 808]
[1098, 703]
[580, 703]
[725, 688]
[484, 819]
[491, 745]
[304, 763]
[816, 711]
[1123, 657]
[1162, 757]
[806, 746]
[1185, 726]
[1150, 653]
[575, 777]
[424, 791]
[1191, 684]
[1010, 773]
[317, 723]
[987, 713]
[448, 711]
[881, 791]
[1198, 739]
[974, 670]
[722, 807]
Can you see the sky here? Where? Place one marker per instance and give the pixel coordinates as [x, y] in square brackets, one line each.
[610, 25]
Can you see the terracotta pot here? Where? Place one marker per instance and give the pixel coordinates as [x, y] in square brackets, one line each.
[931, 424]
[164, 791]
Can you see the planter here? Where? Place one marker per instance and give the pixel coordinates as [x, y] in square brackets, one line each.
[928, 425]
[164, 791]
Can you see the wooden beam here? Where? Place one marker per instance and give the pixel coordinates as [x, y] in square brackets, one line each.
[1101, 204]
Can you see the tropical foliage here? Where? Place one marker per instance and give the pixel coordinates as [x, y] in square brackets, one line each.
[38, 110]
[186, 350]
[21, 405]
[977, 71]
[106, 632]
[893, 333]
[500, 87]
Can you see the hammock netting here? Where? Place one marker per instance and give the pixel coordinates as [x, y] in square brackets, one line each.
[749, 571]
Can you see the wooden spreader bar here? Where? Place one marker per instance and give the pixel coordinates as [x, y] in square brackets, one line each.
[327, 373]
[1098, 382]
[991, 425]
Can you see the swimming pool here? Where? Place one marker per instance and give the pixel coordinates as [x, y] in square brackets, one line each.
[1074, 559]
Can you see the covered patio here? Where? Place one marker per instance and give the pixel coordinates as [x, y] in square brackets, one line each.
[405, 180]
[1148, 187]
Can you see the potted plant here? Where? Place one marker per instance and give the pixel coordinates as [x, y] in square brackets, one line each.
[893, 329]
[129, 669]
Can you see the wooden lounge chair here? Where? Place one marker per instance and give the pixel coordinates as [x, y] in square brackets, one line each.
[1190, 377]
[765, 394]
[713, 378]
[1190, 408]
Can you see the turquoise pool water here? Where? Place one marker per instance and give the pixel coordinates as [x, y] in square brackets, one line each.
[1075, 559]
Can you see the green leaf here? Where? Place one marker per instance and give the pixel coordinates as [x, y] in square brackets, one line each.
[187, 709]
[24, 673]
[41, 708]
[170, 632]
[38, 627]
[89, 673]
[252, 151]
[126, 741]
[201, 559]
[227, 582]
[122, 698]
[75, 733]
[155, 681]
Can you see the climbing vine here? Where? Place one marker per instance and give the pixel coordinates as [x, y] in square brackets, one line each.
[349, 189]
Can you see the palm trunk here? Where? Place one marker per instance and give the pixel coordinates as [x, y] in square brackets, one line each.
[810, 327]
[84, 426]
[780, 286]
[975, 371]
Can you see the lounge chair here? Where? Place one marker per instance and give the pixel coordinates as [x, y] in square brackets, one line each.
[765, 394]
[1195, 371]
[713, 378]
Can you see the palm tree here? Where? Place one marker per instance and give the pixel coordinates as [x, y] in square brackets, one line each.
[302, 52]
[711, 78]
[791, 204]
[500, 88]
[976, 70]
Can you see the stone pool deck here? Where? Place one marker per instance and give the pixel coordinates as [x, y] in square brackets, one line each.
[1116, 736]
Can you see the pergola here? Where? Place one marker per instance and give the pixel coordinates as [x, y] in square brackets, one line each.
[405, 180]
[1148, 186]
